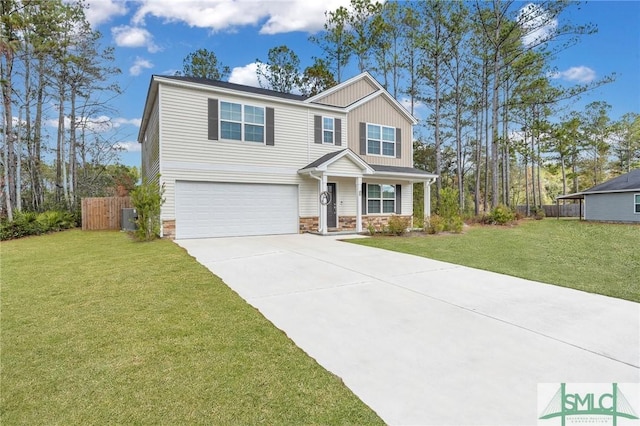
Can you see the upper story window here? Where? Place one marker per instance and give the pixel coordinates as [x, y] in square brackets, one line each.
[637, 203]
[242, 122]
[381, 140]
[327, 130]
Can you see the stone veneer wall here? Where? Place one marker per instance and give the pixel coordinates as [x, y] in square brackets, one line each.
[308, 224]
[169, 229]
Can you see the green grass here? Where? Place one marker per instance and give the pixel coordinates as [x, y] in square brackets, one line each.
[594, 257]
[97, 329]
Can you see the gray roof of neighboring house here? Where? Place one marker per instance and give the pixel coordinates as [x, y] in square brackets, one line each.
[627, 182]
[234, 86]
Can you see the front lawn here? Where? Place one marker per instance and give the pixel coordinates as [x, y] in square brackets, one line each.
[97, 329]
[594, 257]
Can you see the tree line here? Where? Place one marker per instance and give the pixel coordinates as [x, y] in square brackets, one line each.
[52, 64]
[495, 129]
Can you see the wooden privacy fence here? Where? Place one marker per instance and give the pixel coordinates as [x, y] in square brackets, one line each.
[551, 210]
[103, 213]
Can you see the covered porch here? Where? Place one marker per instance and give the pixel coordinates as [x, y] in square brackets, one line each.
[351, 194]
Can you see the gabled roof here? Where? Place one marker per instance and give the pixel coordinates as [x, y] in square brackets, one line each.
[380, 91]
[626, 182]
[326, 160]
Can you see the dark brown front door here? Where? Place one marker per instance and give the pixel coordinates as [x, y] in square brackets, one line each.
[332, 211]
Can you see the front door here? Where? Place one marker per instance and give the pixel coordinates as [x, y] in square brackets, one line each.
[332, 211]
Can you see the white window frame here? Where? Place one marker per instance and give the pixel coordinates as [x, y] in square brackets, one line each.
[382, 140]
[636, 203]
[244, 123]
[326, 130]
[381, 199]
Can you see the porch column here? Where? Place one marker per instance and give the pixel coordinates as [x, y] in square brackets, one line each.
[427, 197]
[359, 196]
[323, 207]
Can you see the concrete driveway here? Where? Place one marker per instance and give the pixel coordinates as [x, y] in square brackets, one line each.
[424, 342]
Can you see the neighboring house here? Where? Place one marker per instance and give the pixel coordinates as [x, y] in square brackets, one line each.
[237, 160]
[616, 200]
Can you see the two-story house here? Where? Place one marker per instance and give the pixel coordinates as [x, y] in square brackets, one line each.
[237, 160]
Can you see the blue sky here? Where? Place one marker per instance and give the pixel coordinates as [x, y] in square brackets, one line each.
[153, 37]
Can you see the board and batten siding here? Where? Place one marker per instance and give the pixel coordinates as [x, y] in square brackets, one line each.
[381, 111]
[349, 94]
[614, 207]
[151, 147]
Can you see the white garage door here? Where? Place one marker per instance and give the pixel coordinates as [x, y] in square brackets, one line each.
[215, 209]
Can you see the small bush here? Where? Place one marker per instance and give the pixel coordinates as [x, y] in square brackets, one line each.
[147, 199]
[371, 229]
[56, 220]
[435, 224]
[501, 215]
[397, 225]
[455, 225]
[538, 213]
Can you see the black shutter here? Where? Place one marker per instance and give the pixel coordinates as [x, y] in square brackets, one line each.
[399, 199]
[398, 143]
[338, 131]
[212, 115]
[270, 130]
[317, 129]
[364, 198]
[363, 138]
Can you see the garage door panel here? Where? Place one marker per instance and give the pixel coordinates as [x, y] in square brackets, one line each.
[216, 209]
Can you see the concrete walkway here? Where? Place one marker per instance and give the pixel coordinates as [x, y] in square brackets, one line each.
[424, 342]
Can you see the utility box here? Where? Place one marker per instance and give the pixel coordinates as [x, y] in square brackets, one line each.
[128, 218]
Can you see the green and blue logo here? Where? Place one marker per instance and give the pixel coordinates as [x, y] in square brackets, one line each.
[589, 403]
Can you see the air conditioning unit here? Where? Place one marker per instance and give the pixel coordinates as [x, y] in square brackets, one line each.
[128, 217]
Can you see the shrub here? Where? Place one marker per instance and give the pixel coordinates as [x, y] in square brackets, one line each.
[30, 223]
[501, 215]
[397, 225]
[434, 224]
[538, 213]
[449, 211]
[147, 200]
[371, 228]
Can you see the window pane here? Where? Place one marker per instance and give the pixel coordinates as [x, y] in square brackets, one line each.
[389, 134]
[253, 133]
[373, 191]
[388, 148]
[388, 191]
[388, 206]
[637, 208]
[327, 136]
[373, 147]
[230, 130]
[637, 198]
[373, 206]
[373, 132]
[254, 115]
[229, 111]
[327, 123]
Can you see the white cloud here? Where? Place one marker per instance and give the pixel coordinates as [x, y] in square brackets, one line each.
[128, 146]
[219, 15]
[536, 24]
[117, 122]
[246, 75]
[139, 65]
[101, 11]
[126, 36]
[580, 74]
[406, 103]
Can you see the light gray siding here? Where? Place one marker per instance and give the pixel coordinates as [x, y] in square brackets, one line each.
[611, 207]
[151, 147]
